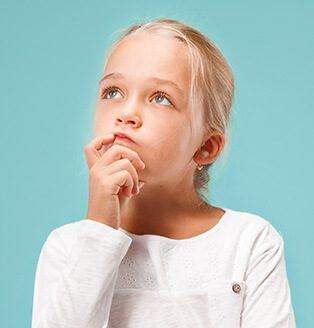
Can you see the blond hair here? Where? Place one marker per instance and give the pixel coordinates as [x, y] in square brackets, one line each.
[210, 73]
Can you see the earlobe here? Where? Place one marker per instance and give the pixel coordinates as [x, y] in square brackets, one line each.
[211, 149]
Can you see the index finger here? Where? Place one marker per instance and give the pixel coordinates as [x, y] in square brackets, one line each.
[92, 149]
[117, 152]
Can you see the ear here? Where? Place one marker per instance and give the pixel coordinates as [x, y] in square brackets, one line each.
[211, 149]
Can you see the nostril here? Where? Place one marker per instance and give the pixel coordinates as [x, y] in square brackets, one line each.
[131, 122]
[136, 123]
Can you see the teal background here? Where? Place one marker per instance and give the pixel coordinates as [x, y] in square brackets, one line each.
[52, 54]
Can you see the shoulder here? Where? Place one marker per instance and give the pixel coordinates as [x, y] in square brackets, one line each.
[69, 230]
[64, 237]
[253, 227]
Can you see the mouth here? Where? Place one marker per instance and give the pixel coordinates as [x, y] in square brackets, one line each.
[123, 137]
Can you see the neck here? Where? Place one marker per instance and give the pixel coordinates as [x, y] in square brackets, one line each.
[157, 209]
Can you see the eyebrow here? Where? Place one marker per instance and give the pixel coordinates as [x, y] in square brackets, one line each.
[157, 80]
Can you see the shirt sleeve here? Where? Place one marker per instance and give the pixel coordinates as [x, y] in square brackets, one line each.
[267, 299]
[74, 283]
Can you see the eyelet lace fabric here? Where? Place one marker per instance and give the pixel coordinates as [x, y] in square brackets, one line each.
[155, 265]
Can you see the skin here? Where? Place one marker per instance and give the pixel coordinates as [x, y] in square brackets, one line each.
[167, 204]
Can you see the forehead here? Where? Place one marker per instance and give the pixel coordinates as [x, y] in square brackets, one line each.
[146, 55]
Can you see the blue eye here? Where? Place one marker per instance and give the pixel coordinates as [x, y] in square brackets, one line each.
[110, 92]
[161, 98]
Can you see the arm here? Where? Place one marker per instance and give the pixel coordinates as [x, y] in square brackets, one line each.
[267, 300]
[74, 285]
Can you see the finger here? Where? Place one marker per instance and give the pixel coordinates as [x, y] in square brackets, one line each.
[92, 149]
[124, 164]
[117, 152]
[123, 182]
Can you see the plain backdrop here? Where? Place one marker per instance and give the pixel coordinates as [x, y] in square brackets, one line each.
[52, 55]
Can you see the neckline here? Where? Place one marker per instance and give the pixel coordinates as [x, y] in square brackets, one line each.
[151, 237]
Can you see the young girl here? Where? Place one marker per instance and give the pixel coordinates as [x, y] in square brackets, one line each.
[152, 251]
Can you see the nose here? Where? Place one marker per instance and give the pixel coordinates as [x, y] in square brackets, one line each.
[129, 116]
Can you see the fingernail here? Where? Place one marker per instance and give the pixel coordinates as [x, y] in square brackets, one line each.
[141, 184]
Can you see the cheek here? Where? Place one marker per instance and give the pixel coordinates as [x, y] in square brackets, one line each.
[171, 146]
[101, 123]
[101, 128]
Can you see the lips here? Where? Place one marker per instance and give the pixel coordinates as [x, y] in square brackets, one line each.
[123, 137]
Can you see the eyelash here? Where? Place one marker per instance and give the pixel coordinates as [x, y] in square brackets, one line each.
[104, 90]
[157, 93]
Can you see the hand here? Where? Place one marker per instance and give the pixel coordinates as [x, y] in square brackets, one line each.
[113, 179]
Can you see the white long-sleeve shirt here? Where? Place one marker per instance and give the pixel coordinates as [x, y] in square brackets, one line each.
[234, 275]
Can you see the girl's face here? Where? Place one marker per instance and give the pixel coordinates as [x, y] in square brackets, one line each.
[144, 93]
